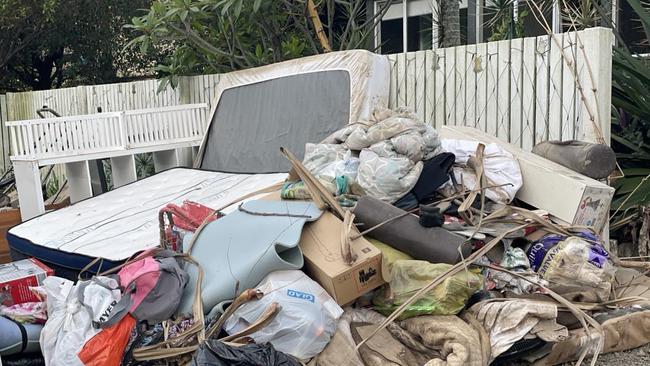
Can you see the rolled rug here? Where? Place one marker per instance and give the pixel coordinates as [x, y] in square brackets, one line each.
[433, 244]
[596, 161]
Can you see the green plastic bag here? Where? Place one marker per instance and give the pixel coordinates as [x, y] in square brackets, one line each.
[409, 276]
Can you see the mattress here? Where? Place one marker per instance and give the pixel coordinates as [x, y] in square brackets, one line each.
[121, 222]
[255, 112]
[288, 104]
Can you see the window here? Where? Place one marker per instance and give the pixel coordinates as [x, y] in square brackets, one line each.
[420, 32]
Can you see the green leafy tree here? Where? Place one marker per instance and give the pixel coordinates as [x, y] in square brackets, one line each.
[69, 42]
[211, 36]
[21, 22]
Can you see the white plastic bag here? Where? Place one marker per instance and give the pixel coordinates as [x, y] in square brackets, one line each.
[500, 168]
[72, 309]
[306, 321]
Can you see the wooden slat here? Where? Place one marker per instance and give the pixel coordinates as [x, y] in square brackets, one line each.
[492, 90]
[460, 69]
[429, 88]
[516, 93]
[542, 94]
[450, 86]
[555, 91]
[410, 84]
[439, 85]
[528, 85]
[420, 85]
[392, 97]
[482, 76]
[401, 80]
[470, 90]
[8, 219]
[503, 91]
[569, 91]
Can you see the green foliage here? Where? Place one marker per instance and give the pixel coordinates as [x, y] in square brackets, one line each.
[631, 122]
[52, 186]
[144, 165]
[70, 42]
[212, 36]
[500, 19]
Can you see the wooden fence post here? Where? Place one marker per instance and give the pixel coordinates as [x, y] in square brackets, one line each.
[595, 60]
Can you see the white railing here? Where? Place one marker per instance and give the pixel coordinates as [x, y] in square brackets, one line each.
[183, 123]
[50, 138]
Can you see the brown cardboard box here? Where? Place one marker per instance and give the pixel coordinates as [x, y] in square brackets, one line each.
[320, 243]
[321, 246]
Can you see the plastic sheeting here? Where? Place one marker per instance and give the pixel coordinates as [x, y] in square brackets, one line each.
[310, 87]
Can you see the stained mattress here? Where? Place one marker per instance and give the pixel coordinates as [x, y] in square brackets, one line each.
[119, 223]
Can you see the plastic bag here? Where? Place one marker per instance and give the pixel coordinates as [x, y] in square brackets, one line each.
[108, 346]
[215, 353]
[306, 321]
[409, 276]
[72, 309]
[576, 268]
[499, 166]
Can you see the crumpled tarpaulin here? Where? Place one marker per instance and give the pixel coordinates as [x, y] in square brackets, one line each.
[392, 146]
[509, 321]
[425, 340]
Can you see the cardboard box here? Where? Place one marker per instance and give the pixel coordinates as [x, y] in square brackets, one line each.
[565, 194]
[17, 277]
[321, 246]
[320, 243]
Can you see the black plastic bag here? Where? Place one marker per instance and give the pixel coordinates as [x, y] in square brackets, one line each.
[216, 353]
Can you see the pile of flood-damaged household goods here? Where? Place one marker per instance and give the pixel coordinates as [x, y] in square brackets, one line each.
[390, 243]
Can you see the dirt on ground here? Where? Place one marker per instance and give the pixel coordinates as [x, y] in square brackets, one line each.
[635, 357]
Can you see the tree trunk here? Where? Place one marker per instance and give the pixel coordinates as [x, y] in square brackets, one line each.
[449, 23]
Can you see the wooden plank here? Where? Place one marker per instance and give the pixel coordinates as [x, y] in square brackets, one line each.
[569, 90]
[8, 219]
[555, 91]
[429, 88]
[420, 85]
[480, 62]
[516, 93]
[528, 85]
[401, 80]
[450, 86]
[392, 97]
[492, 88]
[460, 96]
[542, 85]
[470, 86]
[439, 101]
[410, 84]
[597, 55]
[504, 75]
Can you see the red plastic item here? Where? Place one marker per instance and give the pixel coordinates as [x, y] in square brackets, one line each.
[107, 347]
[190, 215]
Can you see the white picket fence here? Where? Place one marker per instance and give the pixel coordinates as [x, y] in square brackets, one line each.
[522, 90]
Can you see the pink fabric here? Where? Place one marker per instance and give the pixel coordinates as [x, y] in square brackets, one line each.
[145, 273]
[28, 312]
